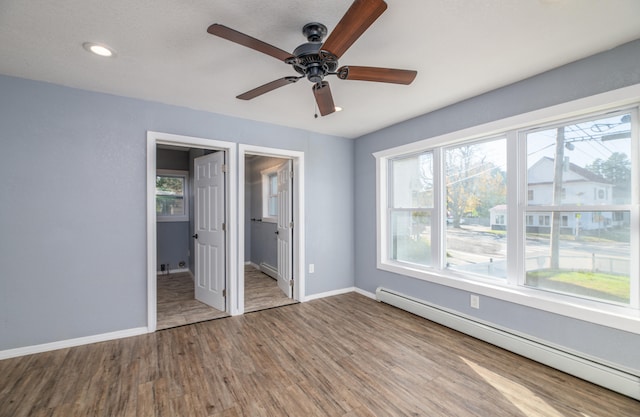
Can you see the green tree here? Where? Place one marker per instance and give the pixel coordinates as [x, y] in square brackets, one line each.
[616, 169]
[474, 184]
[169, 184]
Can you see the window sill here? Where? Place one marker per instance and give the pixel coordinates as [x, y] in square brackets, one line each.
[269, 220]
[172, 219]
[617, 317]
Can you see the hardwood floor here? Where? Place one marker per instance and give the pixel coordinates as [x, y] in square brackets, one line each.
[262, 292]
[177, 305]
[345, 356]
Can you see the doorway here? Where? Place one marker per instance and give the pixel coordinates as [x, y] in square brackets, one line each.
[209, 207]
[268, 249]
[271, 236]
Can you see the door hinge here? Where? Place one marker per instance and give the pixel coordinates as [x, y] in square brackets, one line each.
[291, 283]
[224, 293]
[224, 167]
[291, 225]
[224, 227]
[290, 174]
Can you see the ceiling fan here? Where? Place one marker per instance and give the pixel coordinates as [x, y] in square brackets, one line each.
[315, 59]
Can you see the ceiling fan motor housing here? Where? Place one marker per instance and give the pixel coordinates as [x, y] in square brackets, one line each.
[309, 59]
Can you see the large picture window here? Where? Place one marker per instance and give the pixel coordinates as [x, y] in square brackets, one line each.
[547, 211]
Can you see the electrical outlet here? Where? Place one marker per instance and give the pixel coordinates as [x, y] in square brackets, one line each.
[475, 301]
[312, 268]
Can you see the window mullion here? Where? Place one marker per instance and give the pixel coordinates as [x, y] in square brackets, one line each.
[516, 205]
[634, 241]
[438, 247]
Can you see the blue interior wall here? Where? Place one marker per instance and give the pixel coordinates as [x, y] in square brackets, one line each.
[610, 70]
[73, 208]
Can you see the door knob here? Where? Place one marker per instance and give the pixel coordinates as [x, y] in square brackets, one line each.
[277, 233]
[195, 236]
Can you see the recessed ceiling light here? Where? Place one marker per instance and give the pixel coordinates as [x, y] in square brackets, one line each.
[338, 108]
[98, 49]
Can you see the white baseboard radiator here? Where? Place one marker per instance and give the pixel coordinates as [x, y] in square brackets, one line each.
[269, 270]
[623, 381]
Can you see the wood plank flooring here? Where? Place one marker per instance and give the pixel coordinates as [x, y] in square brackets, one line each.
[177, 305]
[262, 292]
[345, 356]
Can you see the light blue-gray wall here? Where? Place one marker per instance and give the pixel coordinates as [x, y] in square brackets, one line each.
[172, 244]
[261, 235]
[172, 238]
[73, 207]
[613, 69]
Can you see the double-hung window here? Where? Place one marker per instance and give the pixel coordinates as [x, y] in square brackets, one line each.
[172, 203]
[538, 211]
[475, 175]
[270, 194]
[583, 169]
[410, 206]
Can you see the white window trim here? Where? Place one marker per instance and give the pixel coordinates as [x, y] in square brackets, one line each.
[618, 317]
[181, 217]
[264, 177]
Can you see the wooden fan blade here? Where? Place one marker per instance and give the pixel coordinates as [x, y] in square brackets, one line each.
[358, 18]
[246, 40]
[322, 92]
[258, 91]
[382, 75]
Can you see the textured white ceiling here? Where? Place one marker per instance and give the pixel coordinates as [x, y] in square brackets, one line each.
[460, 48]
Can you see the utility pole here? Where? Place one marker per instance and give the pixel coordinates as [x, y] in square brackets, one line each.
[558, 165]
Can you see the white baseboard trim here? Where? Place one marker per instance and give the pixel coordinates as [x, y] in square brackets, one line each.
[624, 381]
[253, 264]
[365, 293]
[46, 347]
[328, 294]
[269, 270]
[173, 271]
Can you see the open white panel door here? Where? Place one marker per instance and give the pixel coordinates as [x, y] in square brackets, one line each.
[285, 229]
[209, 230]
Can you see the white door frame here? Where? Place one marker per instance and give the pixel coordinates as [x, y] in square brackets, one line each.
[297, 158]
[158, 138]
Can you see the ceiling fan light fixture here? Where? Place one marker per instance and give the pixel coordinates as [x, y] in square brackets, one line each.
[316, 59]
[98, 49]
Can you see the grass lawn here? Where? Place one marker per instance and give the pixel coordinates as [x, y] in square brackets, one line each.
[592, 284]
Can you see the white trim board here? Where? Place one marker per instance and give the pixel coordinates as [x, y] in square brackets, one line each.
[62, 344]
[330, 293]
[365, 293]
[172, 271]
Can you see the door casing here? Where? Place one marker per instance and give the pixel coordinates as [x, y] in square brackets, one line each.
[159, 138]
[297, 159]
